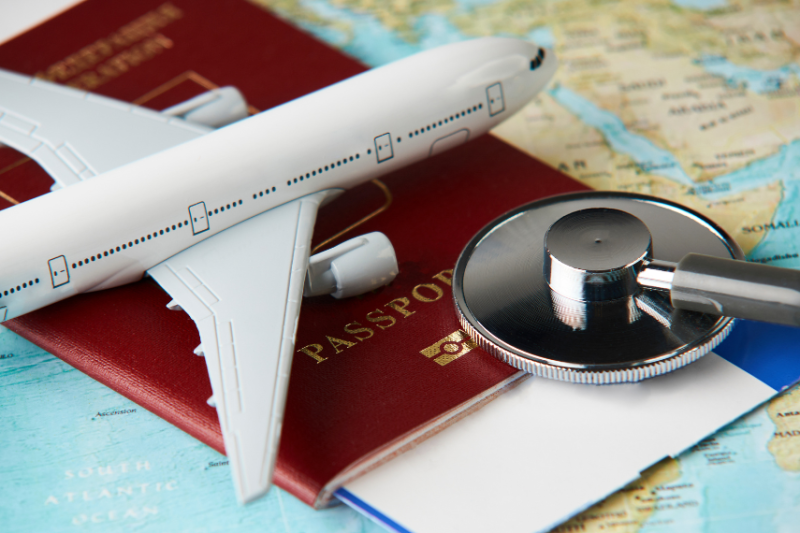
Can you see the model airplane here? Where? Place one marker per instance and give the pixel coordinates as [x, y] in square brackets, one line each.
[222, 219]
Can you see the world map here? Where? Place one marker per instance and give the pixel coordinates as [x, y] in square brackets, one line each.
[77, 456]
[695, 101]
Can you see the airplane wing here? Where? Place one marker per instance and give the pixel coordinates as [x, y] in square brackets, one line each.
[75, 135]
[243, 288]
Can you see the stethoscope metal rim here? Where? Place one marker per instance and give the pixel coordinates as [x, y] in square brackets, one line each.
[576, 372]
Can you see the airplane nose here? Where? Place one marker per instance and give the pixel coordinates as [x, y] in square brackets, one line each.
[537, 61]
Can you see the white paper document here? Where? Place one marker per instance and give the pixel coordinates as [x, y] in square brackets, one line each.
[547, 450]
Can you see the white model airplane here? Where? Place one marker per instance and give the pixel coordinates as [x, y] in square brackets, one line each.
[222, 219]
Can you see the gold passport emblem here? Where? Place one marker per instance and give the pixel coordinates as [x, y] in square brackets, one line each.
[450, 348]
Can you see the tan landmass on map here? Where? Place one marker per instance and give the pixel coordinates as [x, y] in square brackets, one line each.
[759, 34]
[711, 128]
[762, 35]
[560, 139]
[739, 212]
[583, 153]
[637, 60]
[641, 66]
[626, 510]
[784, 411]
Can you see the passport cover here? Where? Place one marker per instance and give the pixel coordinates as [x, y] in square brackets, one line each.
[372, 375]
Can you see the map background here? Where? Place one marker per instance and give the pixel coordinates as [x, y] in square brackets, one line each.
[605, 121]
[76, 455]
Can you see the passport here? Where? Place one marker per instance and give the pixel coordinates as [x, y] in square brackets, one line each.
[373, 375]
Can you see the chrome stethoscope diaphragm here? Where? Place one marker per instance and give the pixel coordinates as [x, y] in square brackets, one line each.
[607, 287]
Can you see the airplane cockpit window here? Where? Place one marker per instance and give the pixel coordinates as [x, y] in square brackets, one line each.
[536, 62]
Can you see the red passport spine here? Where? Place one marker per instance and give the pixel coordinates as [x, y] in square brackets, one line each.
[373, 374]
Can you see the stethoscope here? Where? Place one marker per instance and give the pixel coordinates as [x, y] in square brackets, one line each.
[608, 287]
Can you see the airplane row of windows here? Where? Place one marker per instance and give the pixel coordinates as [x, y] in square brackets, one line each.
[261, 193]
[462, 113]
[130, 244]
[537, 61]
[326, 168]
[222, 209]
[18, 288]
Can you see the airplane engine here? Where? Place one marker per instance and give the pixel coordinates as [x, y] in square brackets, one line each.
[354, 267]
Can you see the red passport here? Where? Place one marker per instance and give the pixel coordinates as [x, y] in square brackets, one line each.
[372, 375]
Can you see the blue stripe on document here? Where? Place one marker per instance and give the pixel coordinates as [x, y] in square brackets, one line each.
[363, 507]
[768, 352]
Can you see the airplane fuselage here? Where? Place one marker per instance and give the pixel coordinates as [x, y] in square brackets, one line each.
[110, 229]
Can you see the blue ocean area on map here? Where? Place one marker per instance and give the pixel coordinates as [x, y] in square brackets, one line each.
[376, 45]
[371, 42]
[736, 457]
[783, 167]
[752, 466]
[436, 30]
[650, 157]
[759, 81]
[76, 455]
[474, 3]
[703, 5]
[543, 36]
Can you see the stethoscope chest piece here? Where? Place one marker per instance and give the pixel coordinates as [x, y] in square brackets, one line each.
[555, 287]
